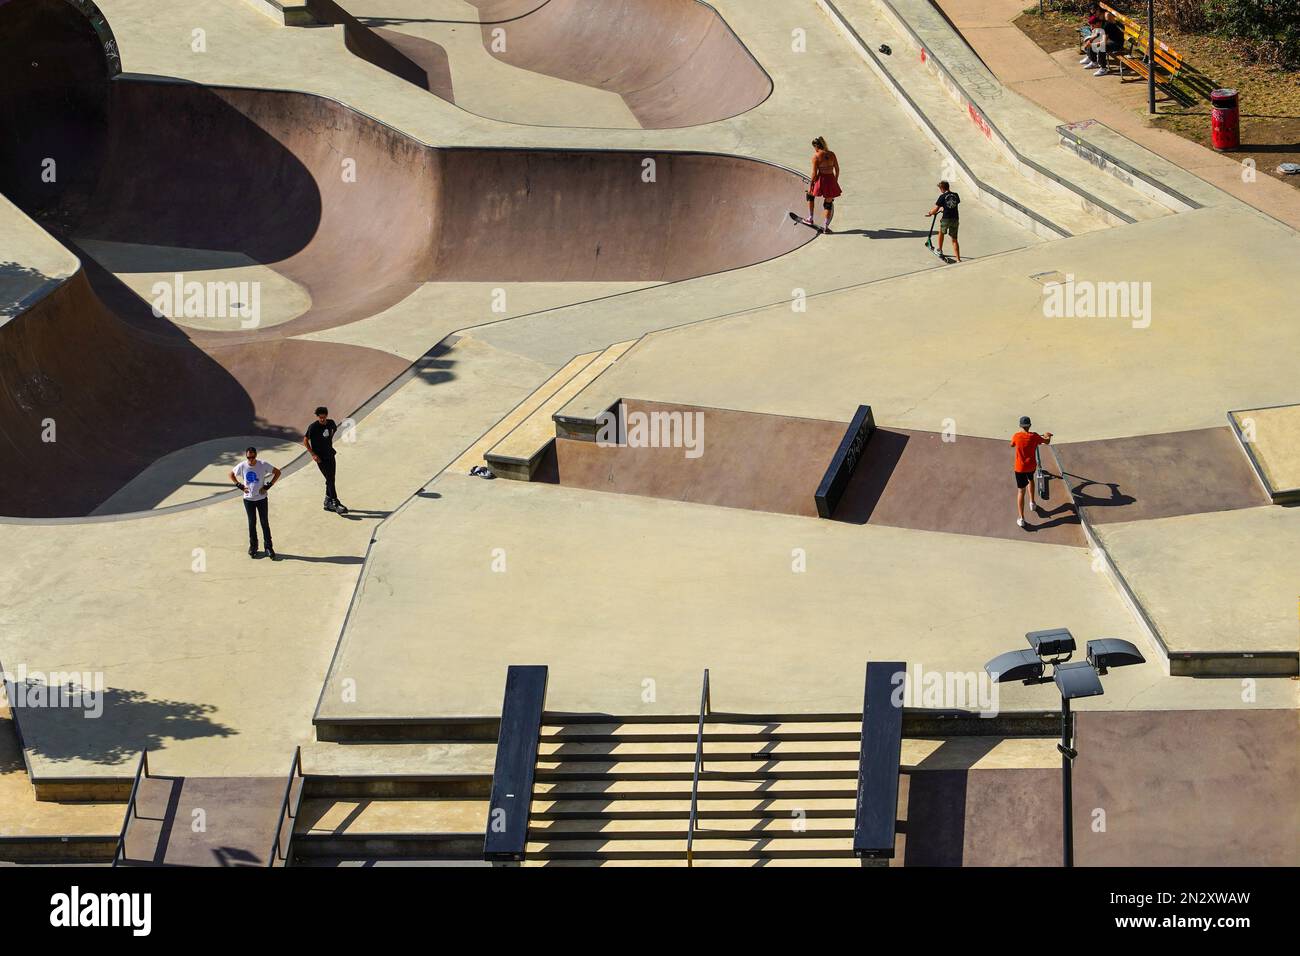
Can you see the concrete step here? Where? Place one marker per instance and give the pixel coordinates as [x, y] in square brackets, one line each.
[449, 769]
[839, 861]
[318, 817]
[58, 850]
[451, 828]
[789, 847]
[710, 789]
[519, 452]
[542, 830]
[714, 729]
[713, 750]
[740, 769]
[596, 806]
[352, 860]
[474, 455]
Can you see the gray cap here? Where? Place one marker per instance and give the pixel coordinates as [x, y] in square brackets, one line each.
[1024, 421]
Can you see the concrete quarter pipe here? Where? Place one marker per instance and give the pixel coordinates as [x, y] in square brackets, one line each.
[167, 166]
[673, 62]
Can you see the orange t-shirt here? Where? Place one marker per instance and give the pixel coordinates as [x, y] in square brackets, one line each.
[1026, 443]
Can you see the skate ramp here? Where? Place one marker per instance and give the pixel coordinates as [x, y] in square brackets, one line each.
[265, 177]
[674, 63]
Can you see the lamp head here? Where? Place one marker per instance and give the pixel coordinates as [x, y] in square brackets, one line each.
[1054, 642]
[1107, 652]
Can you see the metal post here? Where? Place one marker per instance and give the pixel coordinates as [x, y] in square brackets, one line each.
[1067, 786]
[1151, 57]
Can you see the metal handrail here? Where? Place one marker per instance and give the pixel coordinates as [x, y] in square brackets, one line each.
[706, 706]
[141, 772]
[295, 772]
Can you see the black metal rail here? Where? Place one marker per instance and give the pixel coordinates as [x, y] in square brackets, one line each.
[706, 706]
[141, 773]
[878, 763]
[288, 811]
[511, 800]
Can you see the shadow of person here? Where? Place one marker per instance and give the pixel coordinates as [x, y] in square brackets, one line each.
[321, 559]
[1060, 515]
[890, 232]
[1113, 498]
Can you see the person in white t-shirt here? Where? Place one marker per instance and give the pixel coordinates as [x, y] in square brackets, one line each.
[255, 478]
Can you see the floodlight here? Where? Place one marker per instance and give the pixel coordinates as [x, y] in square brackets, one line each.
[1107, 652]
[1051, 643]
[1077, 680]
[1015, 666]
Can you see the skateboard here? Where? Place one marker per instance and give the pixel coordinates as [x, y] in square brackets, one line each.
[1041, 478]
[804, 222]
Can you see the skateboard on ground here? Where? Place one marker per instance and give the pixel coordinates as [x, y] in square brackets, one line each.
[804, 222]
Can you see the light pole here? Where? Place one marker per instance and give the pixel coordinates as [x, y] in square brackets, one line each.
[1054, 648]
[1151, 57]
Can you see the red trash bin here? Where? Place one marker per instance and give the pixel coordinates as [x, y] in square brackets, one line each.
[1224, 119]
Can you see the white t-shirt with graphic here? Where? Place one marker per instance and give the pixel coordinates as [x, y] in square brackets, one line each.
[253, 477]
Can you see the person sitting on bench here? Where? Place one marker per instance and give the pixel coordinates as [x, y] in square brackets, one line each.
[1093, 34]
[1112, 41]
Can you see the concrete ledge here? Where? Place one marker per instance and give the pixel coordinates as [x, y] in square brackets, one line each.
[1287, 493]
[1035, 223]
[1080, 139]
[1112, 570]
[382, 729]
[290, 14]
[83, 789]
[1206, 663]
[1027, 167]
[397, 786]
[58, 850]
[458, 846]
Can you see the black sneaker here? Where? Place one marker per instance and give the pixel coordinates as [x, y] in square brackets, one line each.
[270, 552]
[252, 552]
[340, 507]
[329, 504]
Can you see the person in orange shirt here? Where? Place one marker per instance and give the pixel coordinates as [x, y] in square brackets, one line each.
[1026, 445]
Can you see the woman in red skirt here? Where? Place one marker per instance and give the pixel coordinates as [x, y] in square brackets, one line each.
[825, 181]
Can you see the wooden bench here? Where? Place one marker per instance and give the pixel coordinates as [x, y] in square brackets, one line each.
[1169, 63]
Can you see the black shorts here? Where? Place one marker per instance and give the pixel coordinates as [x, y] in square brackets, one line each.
[1023, 478]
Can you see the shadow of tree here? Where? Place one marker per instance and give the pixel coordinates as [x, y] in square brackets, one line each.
[17, 281]
[127, 722]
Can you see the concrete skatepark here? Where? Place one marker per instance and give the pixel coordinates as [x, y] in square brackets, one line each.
[473, 254]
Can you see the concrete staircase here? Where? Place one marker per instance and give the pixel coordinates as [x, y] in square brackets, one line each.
[72, 826]
[393, 803]
[520, 451]
[772, 791]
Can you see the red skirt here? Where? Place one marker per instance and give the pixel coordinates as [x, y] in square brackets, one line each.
[825, 186]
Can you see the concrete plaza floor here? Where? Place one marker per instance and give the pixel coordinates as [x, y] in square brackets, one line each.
[215, 662]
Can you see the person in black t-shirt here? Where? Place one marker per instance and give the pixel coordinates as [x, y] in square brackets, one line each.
[950, 221]
[319, 441]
